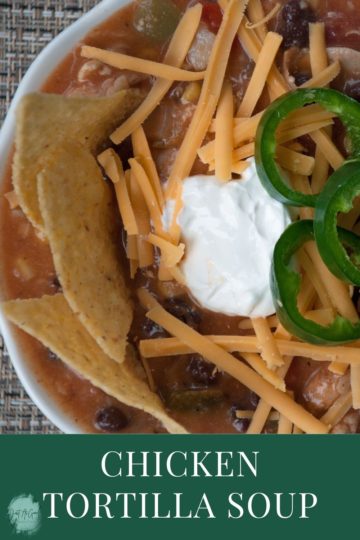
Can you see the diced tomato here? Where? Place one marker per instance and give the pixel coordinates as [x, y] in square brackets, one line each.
[211, 15]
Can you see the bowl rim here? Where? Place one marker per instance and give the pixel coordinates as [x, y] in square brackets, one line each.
[43, 65]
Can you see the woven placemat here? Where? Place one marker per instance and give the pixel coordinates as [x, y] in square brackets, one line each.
[25, 28]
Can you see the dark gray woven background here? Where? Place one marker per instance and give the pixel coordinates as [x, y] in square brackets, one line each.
[25, 28]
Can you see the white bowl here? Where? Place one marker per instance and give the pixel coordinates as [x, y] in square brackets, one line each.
[37, 74]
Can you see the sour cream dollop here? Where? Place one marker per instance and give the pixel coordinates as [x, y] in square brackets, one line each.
[230, 230]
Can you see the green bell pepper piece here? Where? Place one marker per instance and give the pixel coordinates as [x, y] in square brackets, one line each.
[156, 19]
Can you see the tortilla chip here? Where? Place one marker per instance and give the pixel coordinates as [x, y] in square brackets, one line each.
[45, 120]
[50, 320]
[80, 224]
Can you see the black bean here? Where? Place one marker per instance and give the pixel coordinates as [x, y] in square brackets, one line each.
[151, 330]
[240, 424]
[201, 371]
[180, 309]
[352, 89]
[254, 400]
[111, 419]
[55, 283]
[52, 355]
[356, 298]
[308, 144]
[294, 24]
[301, 78]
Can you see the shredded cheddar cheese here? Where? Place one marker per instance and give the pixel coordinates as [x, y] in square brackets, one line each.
[113, 168]
[301, 183]
[285, 427]
[210, 92]
[174, 230]
[307, 264]
[259, 365]
[257, 14]
[175, 56]
[132, 248]
[337, 410]
[319, 62]
[177, 275]
[142, 216]
[355, 386]
[295, 161]
[171, 255]
[324, 316]
[306, 115]
[252, 45]
[263, 409]
[224, 134]
[339, 294]
[246, 324]
[148, 67]
[337, 290]
[143, 154]
[164, 271]
[269, 349]
[146, 299]
[258, 18]
[226, 362]
[148, 194]
[317, 48]
[289, 134]
[262, 69]
[328, 148]
[259, 418]
[325, 77]
[207, 152]
[250, 344]
[248, 415]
